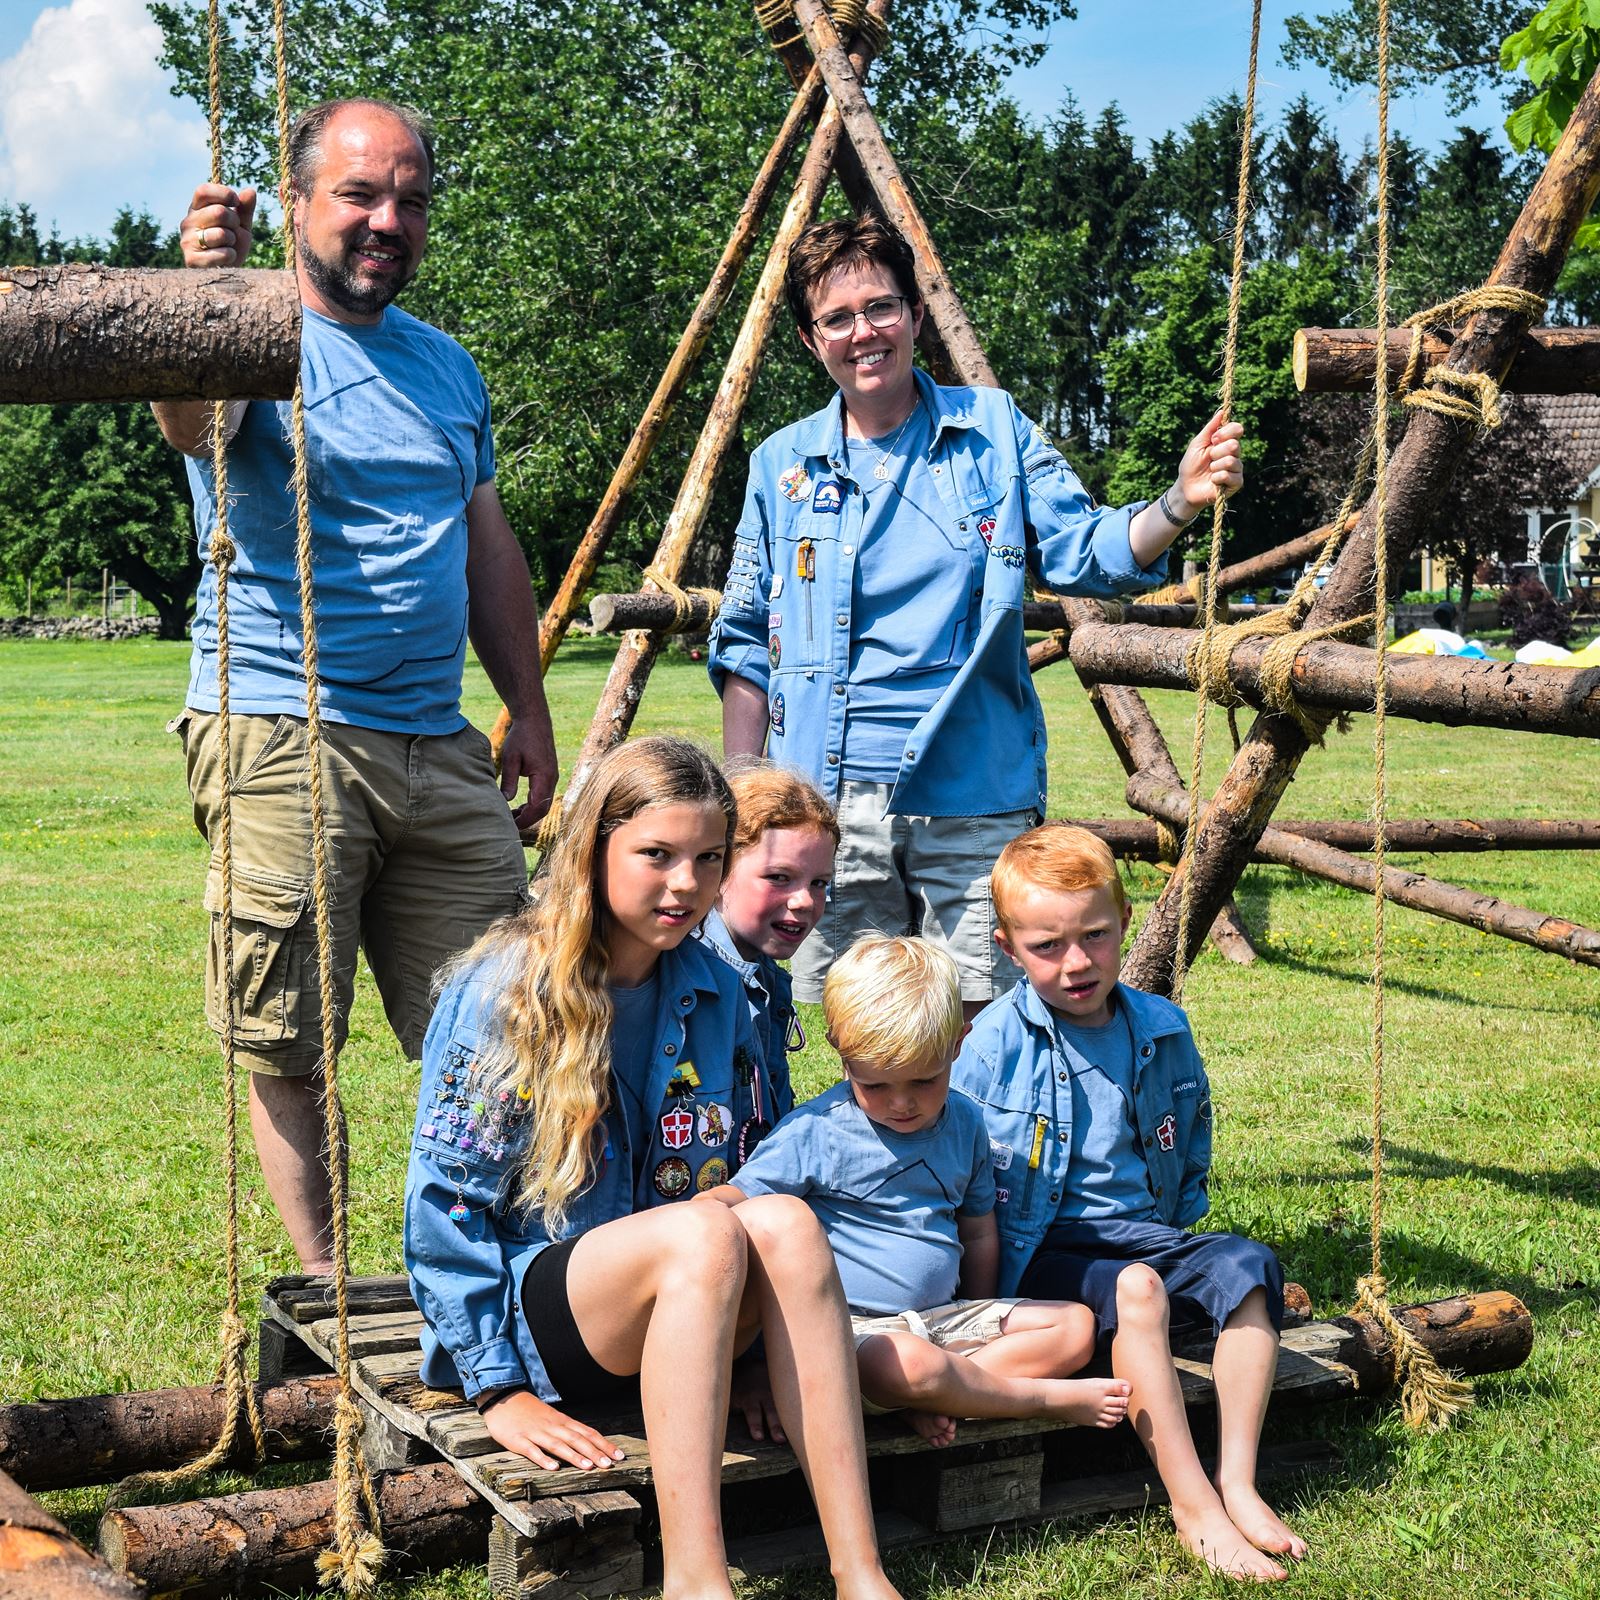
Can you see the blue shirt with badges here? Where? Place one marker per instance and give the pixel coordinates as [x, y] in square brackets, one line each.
[770, 992]
[1106, 1175]
[681, 1093]
[397, 438]
[887, 1201]
[802, 621]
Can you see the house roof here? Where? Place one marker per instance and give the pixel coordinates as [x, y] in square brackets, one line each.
[1573, 421]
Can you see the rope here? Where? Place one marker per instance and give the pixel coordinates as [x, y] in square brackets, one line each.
[1208, 596]
[358, 1552]
[1478, 399]
[240, 1407]
[683, 599]
[850, 17]
[1429, 1398]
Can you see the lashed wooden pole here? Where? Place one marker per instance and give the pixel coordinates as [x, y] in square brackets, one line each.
[1345, 360]
[1419, 473]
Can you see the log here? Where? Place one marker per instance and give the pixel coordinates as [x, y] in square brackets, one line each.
[1469, 1333]
[630, 670]
[59, 1444]
[267, 1541]
[1140, 841]
[39, 1559]
[1419, 473]
[1345, 360]
[143, 333]
[1453, 690]
[1257, 570]
[1554, 935]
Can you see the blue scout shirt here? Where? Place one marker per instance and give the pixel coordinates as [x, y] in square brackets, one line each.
[887, 1201]
[667, 1135]
[1011, 1063]
[770, 991]
[398, 438]
[788, 621]
[1107, 1175]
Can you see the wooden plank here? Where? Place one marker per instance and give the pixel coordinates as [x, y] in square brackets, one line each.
[376, 1333]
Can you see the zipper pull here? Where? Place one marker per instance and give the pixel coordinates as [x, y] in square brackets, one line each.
[805, 561]
[1039, 1126]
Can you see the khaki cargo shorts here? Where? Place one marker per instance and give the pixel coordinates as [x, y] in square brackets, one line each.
[422, 856]
[927, 876]
[961, 1326]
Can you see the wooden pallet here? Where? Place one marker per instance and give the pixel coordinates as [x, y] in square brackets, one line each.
[572, 1532]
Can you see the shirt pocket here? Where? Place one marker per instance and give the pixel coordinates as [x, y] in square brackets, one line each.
[468, 1117]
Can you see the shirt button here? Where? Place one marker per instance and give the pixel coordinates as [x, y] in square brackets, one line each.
[833, 761]
[962, 526]
[838, 688]
[669, 1049]
[1146, 1051]
[849, 549]
[1158, 1191]
[842, 620]
[1061, 1077]
[1054, 1197]
[911, 755]
[936, 470]
[1148, 1141]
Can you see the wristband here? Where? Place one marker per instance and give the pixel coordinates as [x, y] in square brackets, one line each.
[1166, 511]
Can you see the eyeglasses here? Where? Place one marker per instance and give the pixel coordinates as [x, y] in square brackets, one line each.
[881, 313]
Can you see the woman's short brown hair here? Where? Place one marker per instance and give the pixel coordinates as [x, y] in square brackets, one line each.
[846, 245]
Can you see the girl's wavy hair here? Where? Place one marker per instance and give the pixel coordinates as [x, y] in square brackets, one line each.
[548, 1038]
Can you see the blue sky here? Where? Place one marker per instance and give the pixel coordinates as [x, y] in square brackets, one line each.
[87, 123]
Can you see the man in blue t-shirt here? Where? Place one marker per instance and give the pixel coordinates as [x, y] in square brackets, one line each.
[411, 556]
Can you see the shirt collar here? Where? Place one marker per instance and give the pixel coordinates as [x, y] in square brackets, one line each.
[822, 433]
[1145, 1020]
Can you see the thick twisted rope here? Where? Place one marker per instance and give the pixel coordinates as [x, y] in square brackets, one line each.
[1429, 1396]
[683, 599]
[1477, 396]
[850, 17]
[1208, 596]
[358, 1551]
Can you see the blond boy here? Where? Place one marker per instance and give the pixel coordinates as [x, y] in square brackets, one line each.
[1099, 1119]
[897, 1170]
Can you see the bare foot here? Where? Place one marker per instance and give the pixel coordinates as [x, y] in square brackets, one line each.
[1090, 1402]
[869, 1584]
[1213, 1539]
[1260, 1524]
[936, 1429]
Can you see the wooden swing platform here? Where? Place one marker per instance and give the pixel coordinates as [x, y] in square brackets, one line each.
[572, 1533]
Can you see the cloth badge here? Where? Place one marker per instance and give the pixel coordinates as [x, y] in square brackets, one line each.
[774, 652]
[1167, 1131]
[776, 714]
[672, 1177]
[1010, 555]
[715, 1171]
[986, 527]
[677, 1128]
[827, 497]
[1002, 1196]
[716, 1125]
[777, 589]
[1000, 1154]
[795, 482]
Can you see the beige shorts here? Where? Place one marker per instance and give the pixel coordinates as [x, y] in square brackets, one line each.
[927, 876]
[422, 854]
[962, 1326]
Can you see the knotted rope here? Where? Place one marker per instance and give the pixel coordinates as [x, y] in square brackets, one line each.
[850, 17]
[683, 599]
[1478, 396]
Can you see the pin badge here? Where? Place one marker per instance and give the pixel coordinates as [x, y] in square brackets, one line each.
[776, 715]
[715, 1171]
[794, 483]
[672, 1177]
[677, 1128]
[716, 1124]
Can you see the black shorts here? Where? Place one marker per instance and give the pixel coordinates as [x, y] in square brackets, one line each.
[574, 1373]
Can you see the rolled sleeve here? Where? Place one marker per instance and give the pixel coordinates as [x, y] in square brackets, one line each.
[738, 643]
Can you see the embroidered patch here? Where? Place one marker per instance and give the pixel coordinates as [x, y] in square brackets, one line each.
[1167, 1131]
[672, 1177]
[774, 652]
[1002, 1196]
[716, 1124]
[986, 527]
[1010, 555]
[1188, 1086]
[1000, 1154]
[715, 1171]
[794, 483]
[677, 1128]
[775, 716]
[827, 498]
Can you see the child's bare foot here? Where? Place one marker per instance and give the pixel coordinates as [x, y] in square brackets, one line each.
[1259, 1523]
[1213, 1539]
[936, 1429]
[870, 1584]
[1089, 1402]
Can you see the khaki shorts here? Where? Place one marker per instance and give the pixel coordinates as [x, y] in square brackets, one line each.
[422, 857]
[961, 1326]
[913, 875]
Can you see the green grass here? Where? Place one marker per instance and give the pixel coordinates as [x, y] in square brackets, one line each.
[110, 1273]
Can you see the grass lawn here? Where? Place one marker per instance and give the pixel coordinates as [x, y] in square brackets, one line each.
[110, 1274]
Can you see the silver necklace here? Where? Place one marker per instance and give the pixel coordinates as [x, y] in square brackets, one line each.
[881, 470]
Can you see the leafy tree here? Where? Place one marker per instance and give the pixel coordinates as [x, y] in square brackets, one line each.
[1309, 196]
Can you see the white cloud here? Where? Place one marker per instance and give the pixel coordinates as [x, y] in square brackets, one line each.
[87, 123]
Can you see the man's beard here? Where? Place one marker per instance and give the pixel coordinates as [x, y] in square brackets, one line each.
[337, 283]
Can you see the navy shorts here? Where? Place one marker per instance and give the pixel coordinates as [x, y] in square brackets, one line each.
[1206, 1275]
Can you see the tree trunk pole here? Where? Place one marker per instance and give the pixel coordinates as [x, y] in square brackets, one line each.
[1345, 360]
[1141, 841]
[1255, 570]
[39, 1559]
[1554, 935]
[143, 333]
[1419, 473]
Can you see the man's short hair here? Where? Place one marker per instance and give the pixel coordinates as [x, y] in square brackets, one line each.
[1054, 856]
[893, 1003]
[307, 130]
[847, 245]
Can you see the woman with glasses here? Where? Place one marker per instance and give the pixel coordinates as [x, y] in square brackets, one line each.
[871, 626]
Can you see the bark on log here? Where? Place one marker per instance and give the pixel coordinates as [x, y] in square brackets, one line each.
[268, 1540]
[630, 670]
[1345, 360]
[58, 1444]
[39, 1559]
[1469, 1333]
[142, 333]
[1419, 473]
[1140, 841]
[1453, 690]
[1487, 912]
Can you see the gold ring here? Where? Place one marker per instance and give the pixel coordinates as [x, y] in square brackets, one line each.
[202, 237]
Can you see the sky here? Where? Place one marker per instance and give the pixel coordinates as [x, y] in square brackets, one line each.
[88, 123]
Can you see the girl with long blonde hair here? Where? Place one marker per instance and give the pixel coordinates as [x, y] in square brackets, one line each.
[587, 1071]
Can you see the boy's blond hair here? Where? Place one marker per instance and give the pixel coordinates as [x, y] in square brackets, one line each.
[893, 1003]
[1054, 856]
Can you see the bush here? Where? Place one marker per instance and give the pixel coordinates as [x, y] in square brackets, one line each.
[1530, 611]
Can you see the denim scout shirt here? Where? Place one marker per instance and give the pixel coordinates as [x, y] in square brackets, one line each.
[1011, 1064]
[770, 991]
[787, 620]
[466, 1276]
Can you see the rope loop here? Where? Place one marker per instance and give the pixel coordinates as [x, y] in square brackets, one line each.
[850, 17]
[683, 599]
[1430, 1397]
[1478, 399]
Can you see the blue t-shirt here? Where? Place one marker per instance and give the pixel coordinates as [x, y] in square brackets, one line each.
[397, 440]
[917, 590]
[887, 1201]
[1107, 1175]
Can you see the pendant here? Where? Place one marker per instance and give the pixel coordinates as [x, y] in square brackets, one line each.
[881, 472]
